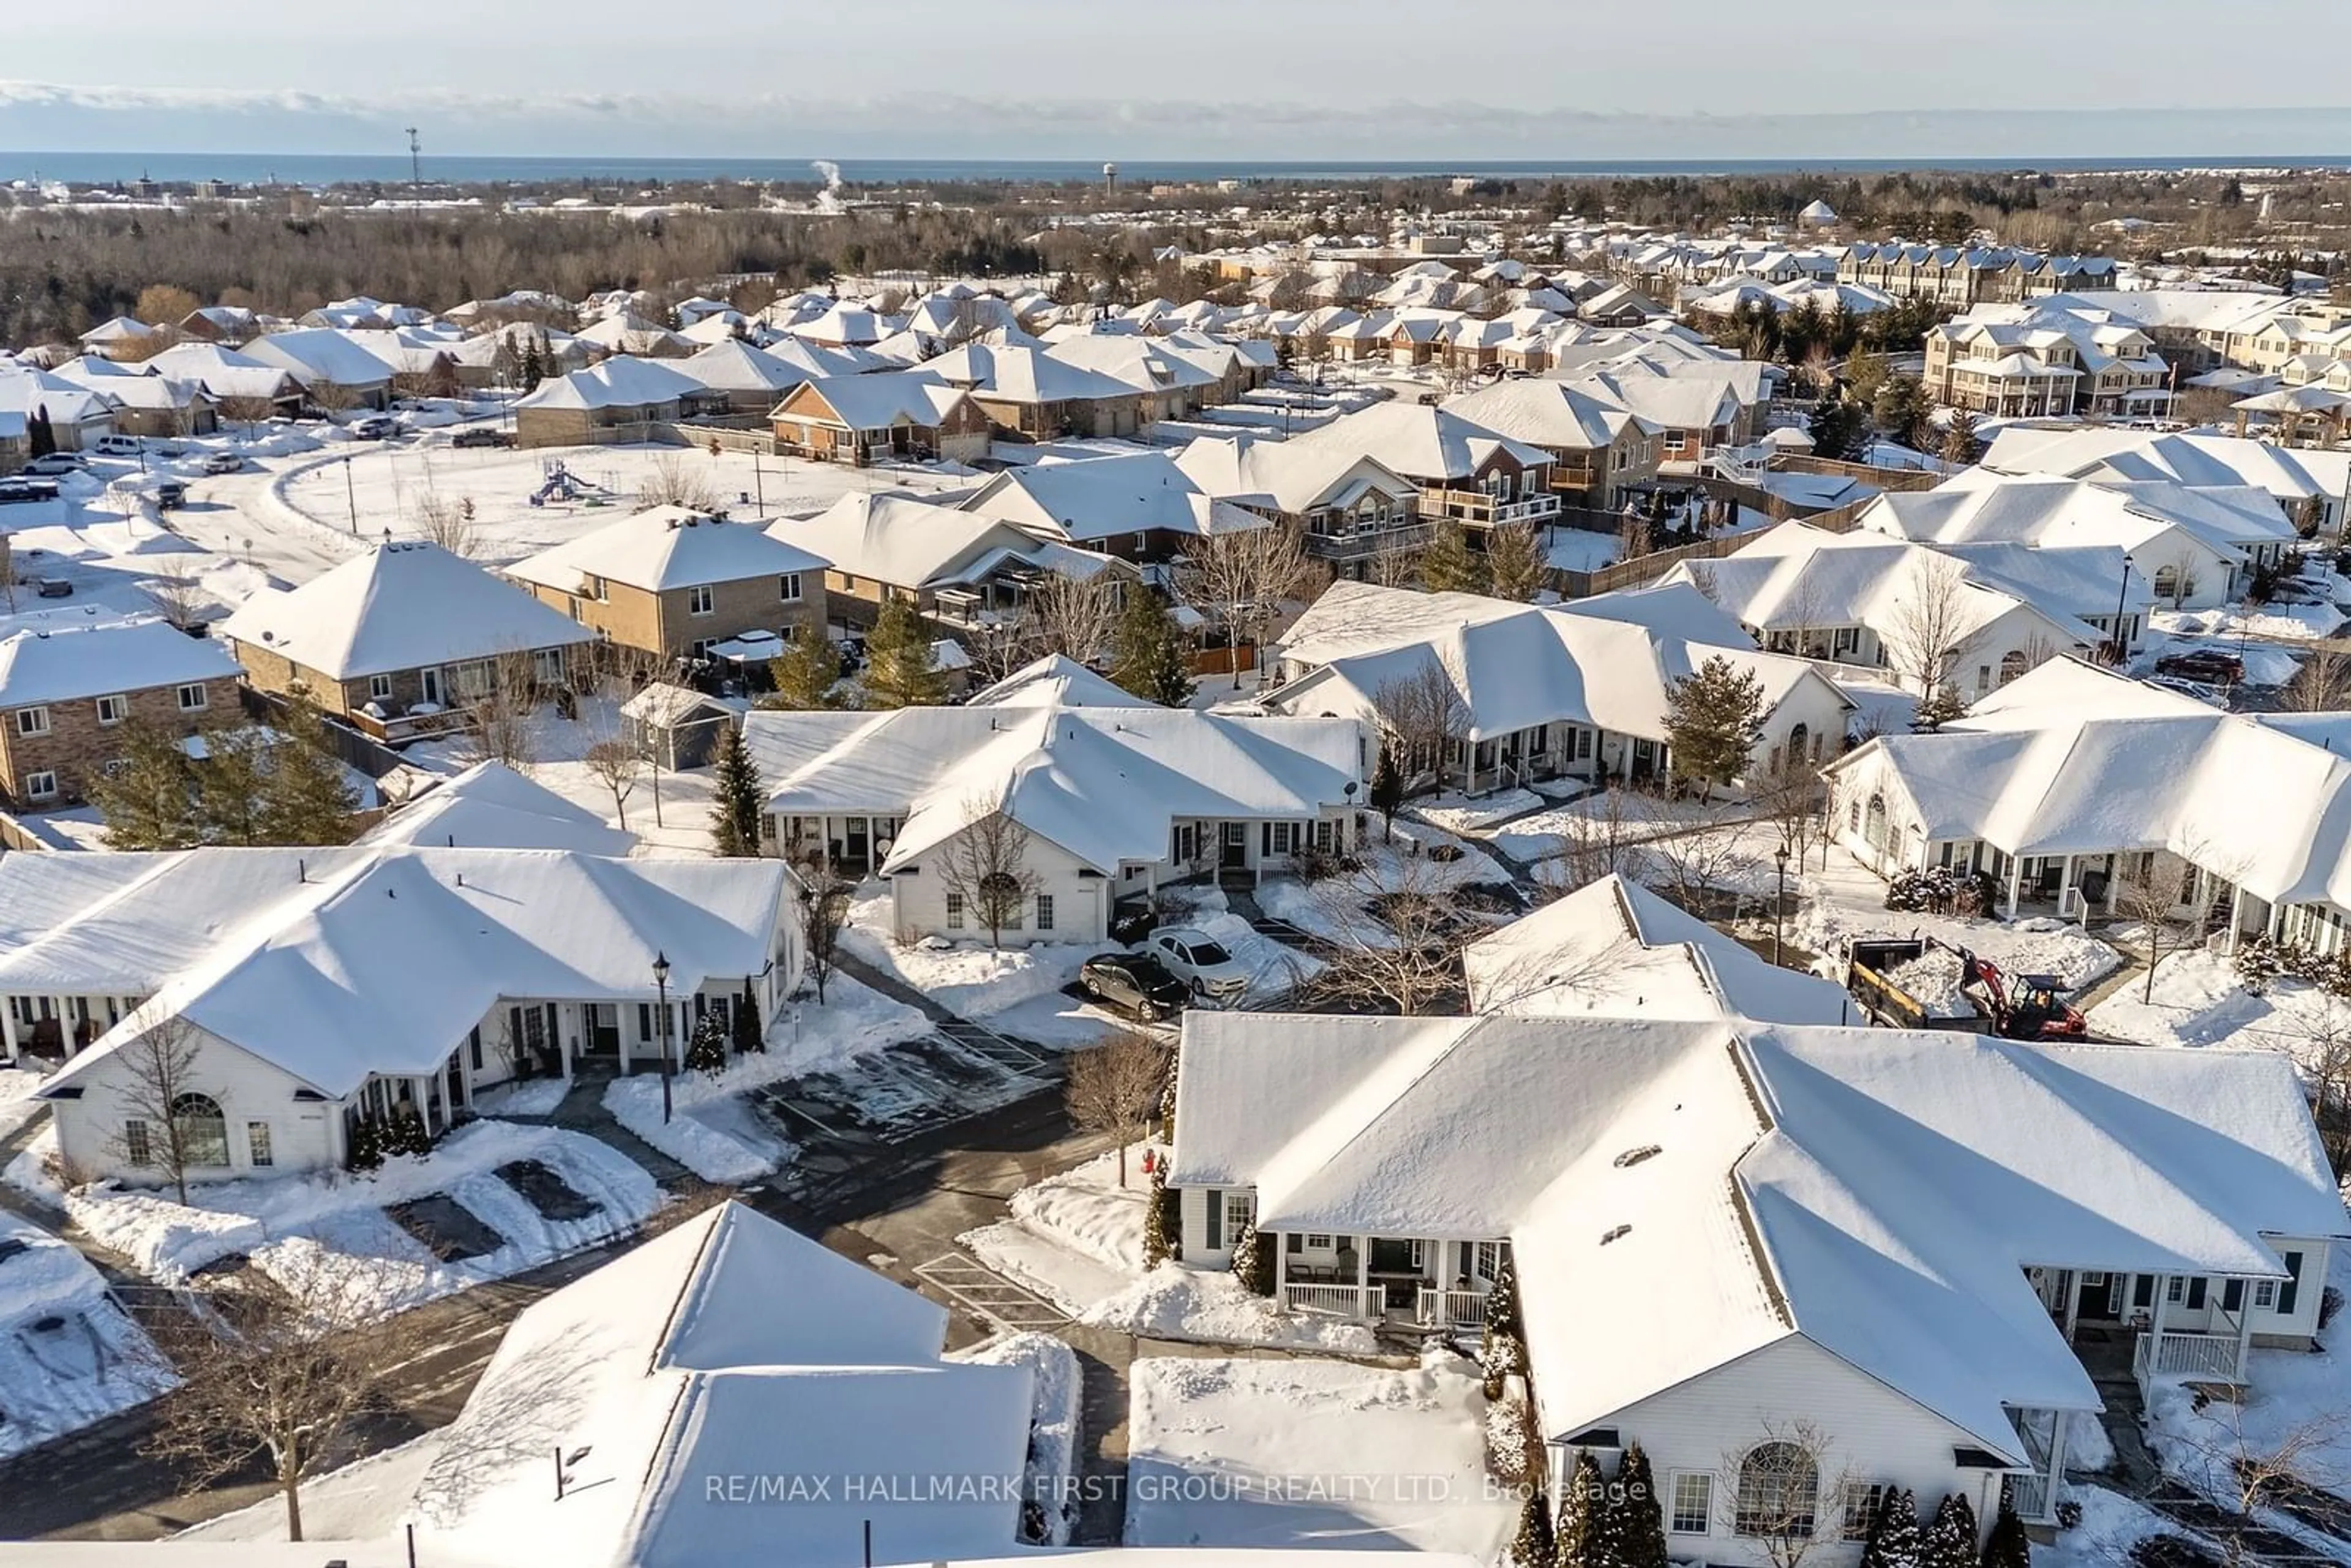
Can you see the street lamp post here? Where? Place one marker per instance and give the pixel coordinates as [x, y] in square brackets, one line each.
[661, 985]
[1779, 903]
[351, 497]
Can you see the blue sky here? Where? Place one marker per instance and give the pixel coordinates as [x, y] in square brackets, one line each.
[1244, 79]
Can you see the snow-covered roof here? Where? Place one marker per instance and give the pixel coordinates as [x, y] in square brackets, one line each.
[399, 606]
[1104, 783]
[316, 354]
[1025, 375]
[618, 382]
[1423, 443]
[491, 805]
[665, 548]
[1616, 949]
[310, 959]
[1056, 681]
[1287, 476]
[99, 661]
[910, 543]
[1978, 506]
[732, 365]
[1547, 413]
[884, 398]
[1097, 499]
[730, 1346]
[2108, 451]
[1895, 1186]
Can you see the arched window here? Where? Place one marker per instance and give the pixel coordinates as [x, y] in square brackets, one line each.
[2013, 663]
[2166, 583]
[1798, 743]
[203, 1131]
[1779, 1491]
[1873, 827]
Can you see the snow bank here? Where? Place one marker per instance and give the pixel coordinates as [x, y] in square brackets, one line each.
[1459, 813]
[2197, 1000]
[2111, 1525]
[532, 1097]
[1086, 1209]
[1829, 918]
[1051, 1482]
[966, 978]
[1174, 1301]
[17, 1105]
[68, 1356]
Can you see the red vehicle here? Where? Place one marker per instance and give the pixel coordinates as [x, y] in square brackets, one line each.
[2031, 1008]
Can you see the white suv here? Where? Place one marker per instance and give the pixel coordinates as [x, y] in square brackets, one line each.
[1200, 961]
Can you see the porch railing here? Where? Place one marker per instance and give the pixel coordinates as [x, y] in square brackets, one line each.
[2030, 1496]
[1451, 1309]
[2212, 1357]
[1330, 1300]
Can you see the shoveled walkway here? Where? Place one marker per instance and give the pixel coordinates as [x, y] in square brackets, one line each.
[582, 1110]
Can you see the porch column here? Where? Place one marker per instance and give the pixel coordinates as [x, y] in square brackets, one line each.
[2236, 914]
[2072, 1301]
[1281, 1267]
[1363, 1275]
[2015, 883]
[2244, 1327]
[8, 1028]
[2057, 1449]
[568, 1051]
[2155, 1317]
[2064, 880]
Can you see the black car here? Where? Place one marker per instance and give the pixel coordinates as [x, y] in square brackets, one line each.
[481, 435]
[1135, 983]
[2208, 665]
[28, 490]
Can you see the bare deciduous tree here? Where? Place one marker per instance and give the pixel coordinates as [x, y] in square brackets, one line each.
[1390, 934]
[176, 591]
[168, 1123]
[502, 713]
[286, 1372]
[1701, 861]
[1597, 842]
[615, 764]
[1070, 616]
[1928, 631]
[1427, 717]
[2322, 683]
[674, 482]
[1791, 798]
[1247, 574]
[1115, 1088]
[248, 411]
[446, 521]
[986, 866]
[2150, 897]
[824, 909]
[1783, 1495]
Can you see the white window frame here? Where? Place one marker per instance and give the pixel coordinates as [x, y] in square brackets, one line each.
[1704, 1511]
[2265, 1295]
[204, 699]
[955, 912]
[1318, 1242]
[701, 600]
[547, 666]
[260, 1148]
[379, 688]
[1860, 1504]
[2174, 1289]
[1241, 1209]
[1045, 911]
[118, 704]
[138, 1142]
[36, 790]
[790, 585]
[32, 721]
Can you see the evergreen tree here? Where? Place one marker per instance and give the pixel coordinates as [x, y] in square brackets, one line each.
[1901, 410]
[1503, 1351]
[365, 1151]
[534, 369]
[1155, 1247]
[150, 801]
[40, 432]
[901, 670]
[1387, 789]
[1837, 428]
[1939, 708]
[405, 1134]
[1950, 1541]
[233, 783]
[2007, 1546]
[1604, 1536]
[1961, 446]
[1865, 373]
[1515, 565]
[748, 1035]
[1532, 1546]
[1449, 565]
[1893, 1540]
[305, 799]
[705, 1047]
[738, 800]
[1147, 653]
[1579, 1535]
[1640, 1537]
[1714, 719]
[1253, 1259]
[804, 672]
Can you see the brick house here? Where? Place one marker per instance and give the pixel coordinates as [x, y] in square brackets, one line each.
[1029, 392]
[890, 414]
[398, 641]
[66, 695]
[672, 582]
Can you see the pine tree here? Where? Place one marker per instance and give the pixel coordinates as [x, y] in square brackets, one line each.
[901, 670]
[1893, 1540]
[405, 1134]
[1579, 1534]
[1449, 565]
[1253, 1259]
[305, 799]
[738, 800]
[1939, 708]
[804, 672]
[40, 432]
[1147, 654]
[1155, 1247]
[1714, 719]
[1961, 446]
[1640, 1538]
[534, 369]
[1532, 1546]
[1837, 428]
[1515, 565]
[749, 1036]
[705, 1047]
[1950, 1541]
[1604, 1536]
[1387, 789]
[1503, 1351]
[150, 801]
[233, 783]
[366, 1150]
[2007, 1546]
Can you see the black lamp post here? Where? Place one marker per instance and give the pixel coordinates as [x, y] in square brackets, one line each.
[1779, 902]
[660, 984]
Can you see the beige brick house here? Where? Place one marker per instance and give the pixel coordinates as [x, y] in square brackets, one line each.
[399, 641]
[672, 582]
[889, 414]
[67, 696]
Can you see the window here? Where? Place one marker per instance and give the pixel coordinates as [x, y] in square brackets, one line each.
[1241, 1208]
[700, 601]
[40, 786]
[257, 1144]
[1487, 1260]
[137, 1147]
[1692, 1512]
[1861, 1502]
[1317, 1243]
[379, 688]
[790, 584]
[547, 666]
[955, 911]
[2265, 1294]
[2174, 1289]
[1215, 1216]
[1281, 838]
[114, 709]
[1044, 912]
[2293, 1285]
[203, 1131]
[32, 721]
[1779, 1492]
[192, 699]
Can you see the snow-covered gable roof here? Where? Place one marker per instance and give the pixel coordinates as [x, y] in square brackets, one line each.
[732, 365]
[1025, 375]
[75, 662]
[666, 548]
[1143, 364]
[1979, 506]
[2203, 461]
[730, 1345]
[1102, 783]
[316, 354]
[1547, 413]
[320, 980]
[400, 606]
[1097, 499]
[909, 542]
[1056, 681]
[1287, 477]
[1422, 444]
[620, 382]
[491, 805]
[222, 372]
[884, 398]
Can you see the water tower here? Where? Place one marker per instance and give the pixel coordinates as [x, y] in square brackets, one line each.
[1110, 178]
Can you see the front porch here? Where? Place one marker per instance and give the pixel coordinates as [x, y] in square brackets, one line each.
[2190, 1326]
[1402, 1282]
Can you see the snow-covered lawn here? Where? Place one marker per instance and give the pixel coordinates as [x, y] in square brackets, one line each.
[1279, 1453]
[1582, 549]
[68, 1356]
[363, 1500]
[713, 1131]
[1459, 813]
[1051, 1482]
[1337, 909]
[1208, 1306]
[681, 826]
[17, 1105]
[531, 1097]
[2298, 622]
[967, 978]
[2111, 1525]
[2198, 1000]
[1631, 815]
[292, 1225]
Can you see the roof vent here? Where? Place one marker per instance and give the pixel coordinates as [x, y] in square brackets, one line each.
[1613, 1232]
[1630, 1157]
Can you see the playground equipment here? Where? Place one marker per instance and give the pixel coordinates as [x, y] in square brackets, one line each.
[561, 486]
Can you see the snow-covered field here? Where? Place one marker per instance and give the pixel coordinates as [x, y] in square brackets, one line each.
[1277, 1453]
[711, 1132]
[2197, 1000]
[68, 1356]
[294, 1228]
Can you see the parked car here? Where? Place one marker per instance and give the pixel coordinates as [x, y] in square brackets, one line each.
[1134, 983]
[56, 463]
[483, 435]
[1200, 961]
[171, 496]
[2196, 690]
[2208, 665]
[117, 446]
[376, 427]
[221, 463]
[27, 490]
[52, 588]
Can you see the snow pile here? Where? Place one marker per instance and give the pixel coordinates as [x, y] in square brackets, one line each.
[1086, 1210]
[17, 1105]
[965, 978]
[1826, 922]
[1174, 1301]
[68, 1356]
[1271, 1453]
[2283, 623]
[289, 1226]
[712, 1131]
[1932, 981]
[2111, 1525]
[532, 1097]
[2197, 1000]
[1458, 813]
[1050, 1482]
[1274, 971]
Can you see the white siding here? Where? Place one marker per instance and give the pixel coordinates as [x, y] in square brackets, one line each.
[302, 1131]
[1080, 910]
